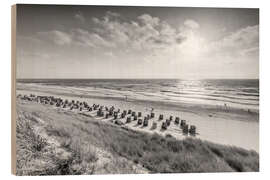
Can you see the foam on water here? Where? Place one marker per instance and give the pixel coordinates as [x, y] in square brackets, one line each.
[240, 93]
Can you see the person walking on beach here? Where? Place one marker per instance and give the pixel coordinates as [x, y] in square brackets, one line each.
[226, 107]
[151, 110]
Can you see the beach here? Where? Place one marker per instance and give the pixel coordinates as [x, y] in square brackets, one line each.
[231, 125]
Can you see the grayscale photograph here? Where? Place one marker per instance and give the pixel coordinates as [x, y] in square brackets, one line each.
[135, 90]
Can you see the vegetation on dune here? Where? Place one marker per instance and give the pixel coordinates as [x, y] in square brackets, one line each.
[79, 134]
[169, 155]
[37, 156]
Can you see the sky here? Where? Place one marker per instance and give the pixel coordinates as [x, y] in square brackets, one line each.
[137, 42]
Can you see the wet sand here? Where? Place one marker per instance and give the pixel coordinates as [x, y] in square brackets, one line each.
[234, 127]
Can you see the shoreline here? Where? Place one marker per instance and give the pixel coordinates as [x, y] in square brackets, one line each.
[215, 128]
[180, 106]
[180, 95]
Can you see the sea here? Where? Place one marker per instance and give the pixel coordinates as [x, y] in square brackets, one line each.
[239, 93]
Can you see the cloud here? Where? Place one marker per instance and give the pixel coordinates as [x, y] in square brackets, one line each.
[112, 14]
[144, 33]
[191, 24]
[244, 41]
[58, 37]
[85, 38]
[36, 55]
[245, 37]
[146, 19]
[73, 37]
[109, 54]
[111, 32]
[251, 51]
[151, 37]
[79, 16]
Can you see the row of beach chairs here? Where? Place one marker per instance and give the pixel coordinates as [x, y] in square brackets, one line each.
[108, 112]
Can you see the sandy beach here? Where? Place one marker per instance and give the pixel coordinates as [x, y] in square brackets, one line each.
[234, 126]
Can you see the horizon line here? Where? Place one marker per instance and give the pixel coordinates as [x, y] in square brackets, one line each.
[136, 78]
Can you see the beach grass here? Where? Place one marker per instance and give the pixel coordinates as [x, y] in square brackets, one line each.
[81, 136]
[36, 155]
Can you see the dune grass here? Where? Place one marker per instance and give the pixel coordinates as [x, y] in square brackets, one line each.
[169, 155]
[37, 156]
[158, 154]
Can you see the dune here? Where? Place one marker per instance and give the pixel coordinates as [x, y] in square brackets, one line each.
[53, 140]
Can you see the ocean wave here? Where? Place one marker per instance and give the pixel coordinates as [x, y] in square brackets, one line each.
[244, 97]
[241, 92]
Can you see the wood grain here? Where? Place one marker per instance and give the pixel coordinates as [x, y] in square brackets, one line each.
[13, 88]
